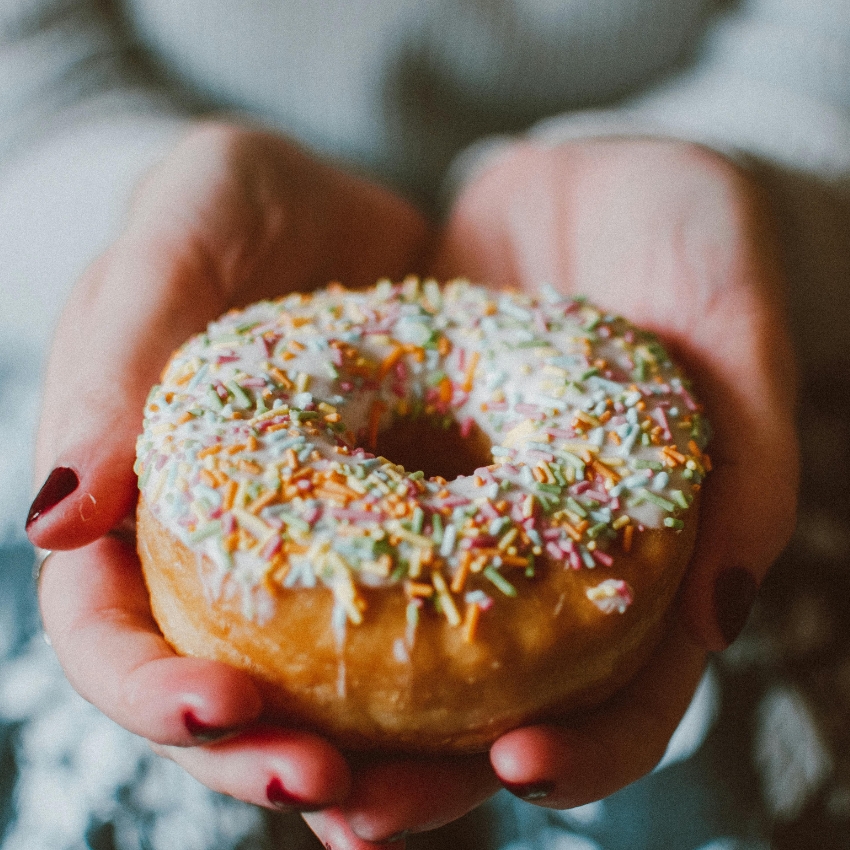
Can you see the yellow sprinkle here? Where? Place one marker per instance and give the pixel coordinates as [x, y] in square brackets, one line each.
[446, 600]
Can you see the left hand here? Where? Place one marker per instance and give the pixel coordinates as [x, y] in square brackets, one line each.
[678, 240]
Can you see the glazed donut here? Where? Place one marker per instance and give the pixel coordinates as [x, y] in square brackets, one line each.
[419, 515]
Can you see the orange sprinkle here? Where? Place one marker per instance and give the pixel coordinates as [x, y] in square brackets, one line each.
[706, 462]
[184, 379]
[514, 561]
[459, 580]
[261, 501]
[605, 471]
[573, 532]
[229, 494]
[332, 417]
[469, 372]
[375, 414]
[470, 622]
[184, 418]
[231, 542]
[208, 478]
[614, 437]
[694, 449]
[294, 345]
[418, 589]
[249, 466]
[291, 458]
[673, 457]
[231, 450]
[444, 346]
[390, 360]
[280, 378]
[252, 443]
[628, 534]
[209, 450]
[445, 390]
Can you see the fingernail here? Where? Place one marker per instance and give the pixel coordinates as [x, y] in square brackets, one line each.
[59, 485]
[531, 790]
[280, 798]
[204, 732]
[734, 594]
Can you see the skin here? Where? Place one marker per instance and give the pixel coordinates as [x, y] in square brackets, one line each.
[670, 235]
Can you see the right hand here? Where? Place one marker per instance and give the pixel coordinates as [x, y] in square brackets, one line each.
[230, 216]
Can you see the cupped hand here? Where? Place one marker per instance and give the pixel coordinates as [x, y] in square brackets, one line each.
[231, 215]
[679, 240]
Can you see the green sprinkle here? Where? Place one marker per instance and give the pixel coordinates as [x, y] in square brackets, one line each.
[575, 507]
[416, 520]
[239, 394]
[654, 465]
[437, 528]
[500, 581]
[679, 498]
[595, 530]
[202, 532]
[672, 522]
[649, 496]
[554, 489]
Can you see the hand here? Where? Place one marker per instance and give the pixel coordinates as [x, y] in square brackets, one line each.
[678, 240]
[231, 215]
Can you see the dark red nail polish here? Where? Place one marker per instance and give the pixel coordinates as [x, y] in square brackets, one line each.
[532, 790]
[734, 594]
[280, 798]
[59, 485]
[203, 732]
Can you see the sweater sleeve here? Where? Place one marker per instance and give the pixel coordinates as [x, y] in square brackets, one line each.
[769, 87]
[80, 120]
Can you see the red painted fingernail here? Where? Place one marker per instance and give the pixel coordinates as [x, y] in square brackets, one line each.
[531, 790]
[280, 798]
[59, 485]
[735, 592]
[204, 732]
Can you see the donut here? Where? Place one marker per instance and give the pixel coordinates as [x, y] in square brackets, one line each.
[420, 515]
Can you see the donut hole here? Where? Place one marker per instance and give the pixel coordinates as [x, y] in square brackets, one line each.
[435, 447]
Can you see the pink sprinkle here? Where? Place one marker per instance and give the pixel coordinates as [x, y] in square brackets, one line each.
[661, 418]
[528, 409]
[228, 523]
[554, 550]
[534, 454]
[466, 426]
[312, 514]
[272, 548]
[488, 510]
[580, 487]
[602, 558]
[575, 560]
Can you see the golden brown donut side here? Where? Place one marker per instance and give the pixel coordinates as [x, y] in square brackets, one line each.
[543, 653]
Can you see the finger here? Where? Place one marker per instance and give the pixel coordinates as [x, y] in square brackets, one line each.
[126, 316]
[405, 795]
[95, 610]
[561, 766]
[744, 371]
[332, 829]
[280, 769]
